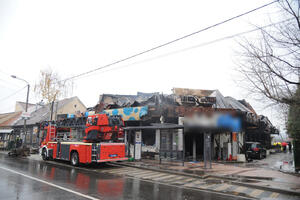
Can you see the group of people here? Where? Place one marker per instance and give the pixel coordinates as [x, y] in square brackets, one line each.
[283, 146]
[17, 143]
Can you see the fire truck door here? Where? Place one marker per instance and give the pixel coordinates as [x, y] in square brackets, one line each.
[65, 151]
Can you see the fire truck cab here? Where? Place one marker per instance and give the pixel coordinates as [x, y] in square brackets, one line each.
[102, 139]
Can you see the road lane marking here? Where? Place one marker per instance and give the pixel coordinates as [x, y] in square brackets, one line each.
[118, 170]
[240, 189]
[122, 172]
[139, 173]
[154, 176]
[214, 186]
[206, 186]
[274, 195]
[51, 184]
[223, 187]
[176, 178]
[256, 193]
[147, 174]
[164, 177]
[193, 184]
[184, 181]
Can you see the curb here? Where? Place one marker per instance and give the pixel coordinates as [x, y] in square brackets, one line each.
[231, 180]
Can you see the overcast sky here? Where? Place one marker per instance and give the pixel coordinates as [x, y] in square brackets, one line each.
[76, 36]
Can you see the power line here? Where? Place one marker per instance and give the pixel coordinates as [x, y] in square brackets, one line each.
[10, 84]
[4, 73]
[12, 94]
[170, 42]
[6, 86]
[196, 46]
[6, 81]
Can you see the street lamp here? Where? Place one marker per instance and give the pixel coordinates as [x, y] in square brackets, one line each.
[26, 107]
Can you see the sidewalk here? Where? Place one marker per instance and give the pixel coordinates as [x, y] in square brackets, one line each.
[251, 177]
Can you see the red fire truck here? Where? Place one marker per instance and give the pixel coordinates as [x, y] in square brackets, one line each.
[93, 139]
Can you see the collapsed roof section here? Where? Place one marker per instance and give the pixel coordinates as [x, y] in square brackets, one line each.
[111, 101]
[196, 97]
[235, 104]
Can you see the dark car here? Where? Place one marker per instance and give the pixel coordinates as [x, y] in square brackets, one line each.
[254, 150]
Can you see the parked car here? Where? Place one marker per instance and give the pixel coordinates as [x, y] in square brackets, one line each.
[254, 150]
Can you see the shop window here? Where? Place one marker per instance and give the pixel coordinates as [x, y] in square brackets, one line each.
[148, 136]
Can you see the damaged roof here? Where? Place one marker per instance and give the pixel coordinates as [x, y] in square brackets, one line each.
[193, 92]
[245, 103]
[110, 101]
[119, 101]
[220, 101]
[235, 104]
[198, 97]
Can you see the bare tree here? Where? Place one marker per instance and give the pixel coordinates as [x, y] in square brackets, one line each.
[271, 65]
[50, 87]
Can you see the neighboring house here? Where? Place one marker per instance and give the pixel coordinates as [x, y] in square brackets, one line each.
[42, 113]
[6, 122]
[21, 107]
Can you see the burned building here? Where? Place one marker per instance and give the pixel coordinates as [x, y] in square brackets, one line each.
[152, 109]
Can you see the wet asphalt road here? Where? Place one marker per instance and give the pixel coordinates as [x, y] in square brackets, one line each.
[30, 179]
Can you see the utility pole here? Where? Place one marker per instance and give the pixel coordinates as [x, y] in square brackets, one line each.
[52, 106]
[26, 109]
[26, 106]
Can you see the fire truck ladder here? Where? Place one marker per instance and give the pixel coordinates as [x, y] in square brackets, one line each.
[63, 136]
[52, 132]
[72, 123]
[94, 152]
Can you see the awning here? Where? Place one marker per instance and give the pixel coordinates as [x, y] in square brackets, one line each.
[6, 130]
[129, 113]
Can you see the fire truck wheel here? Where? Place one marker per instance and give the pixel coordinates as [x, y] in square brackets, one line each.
[74, 159]
[44, 154]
